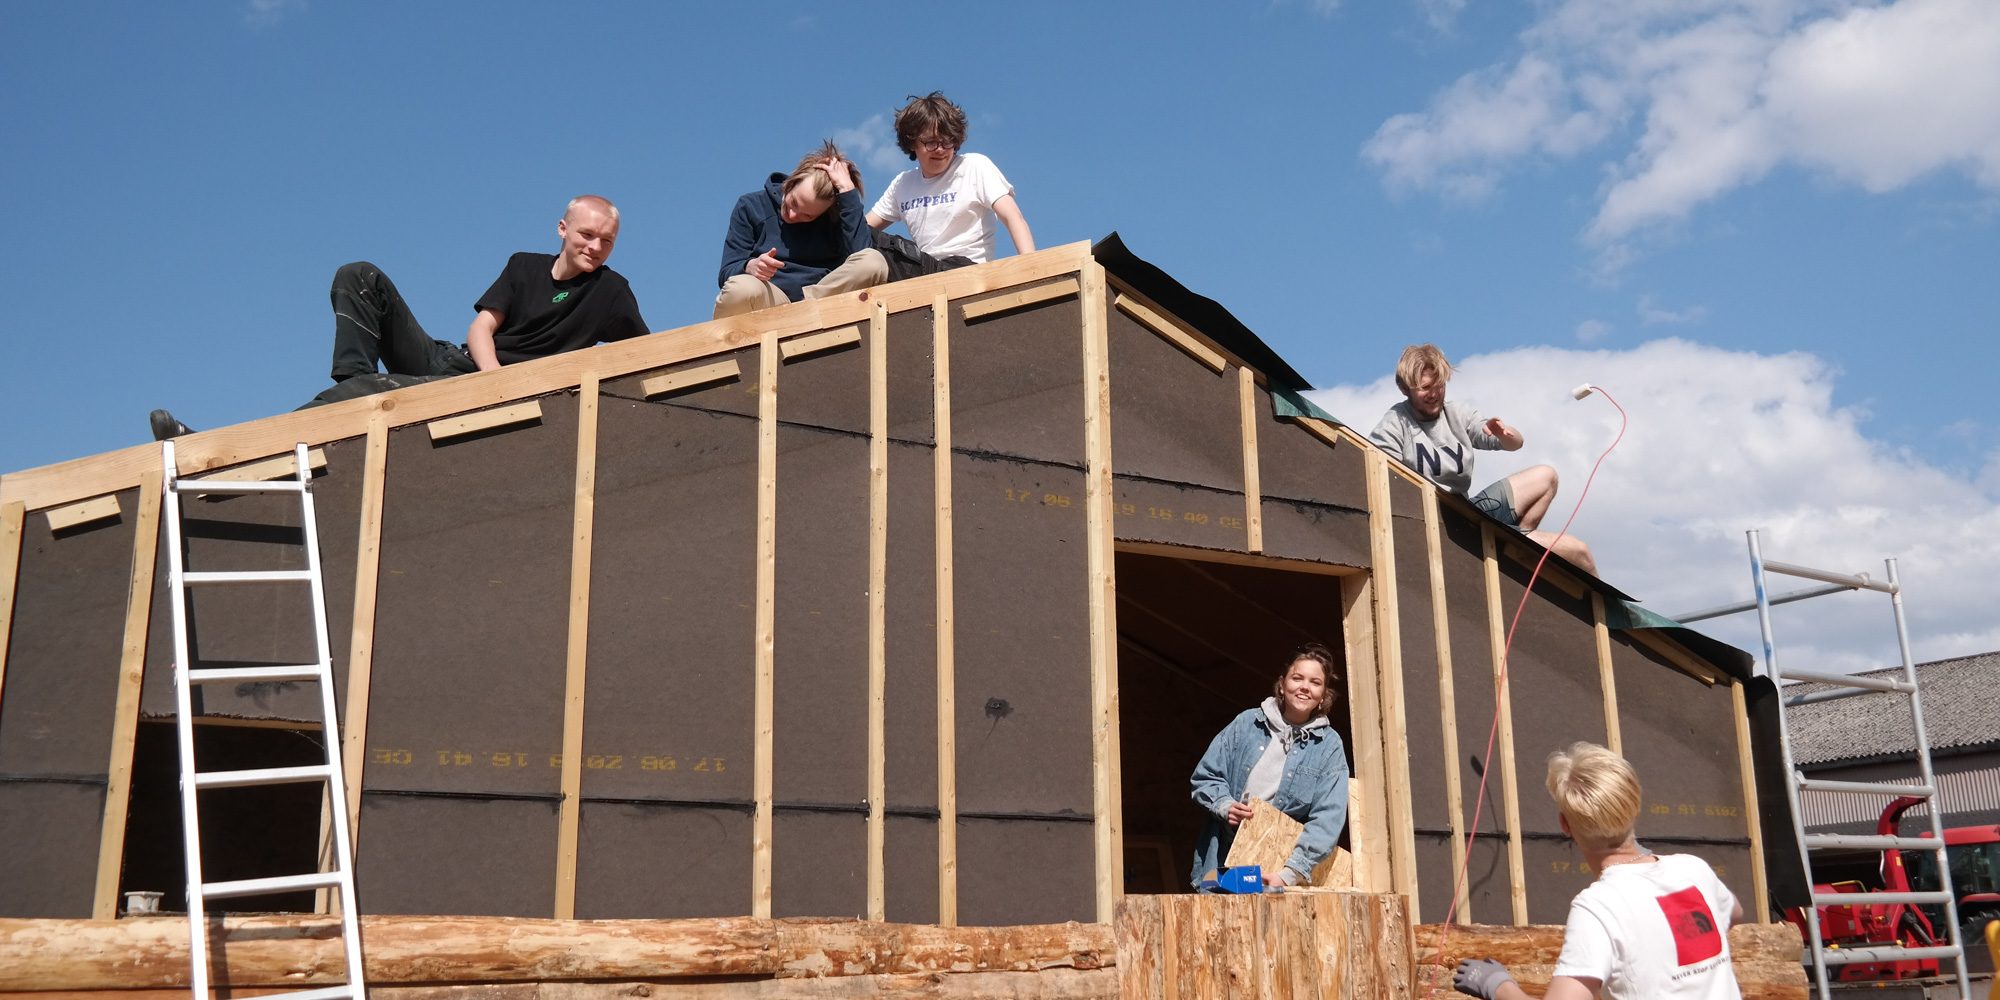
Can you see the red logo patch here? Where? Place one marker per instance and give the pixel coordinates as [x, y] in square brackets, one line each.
[1696, 936]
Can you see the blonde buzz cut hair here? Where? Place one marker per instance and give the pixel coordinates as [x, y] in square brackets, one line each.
[1418, 359]
[1597, 791]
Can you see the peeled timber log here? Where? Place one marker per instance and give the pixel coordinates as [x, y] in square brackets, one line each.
[303, 951]
[1300, 945]
[1049, 984]
[1766, 957]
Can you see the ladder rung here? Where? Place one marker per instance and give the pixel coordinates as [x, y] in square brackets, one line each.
[1865, 787]
[323, 993]
[1874, 898]
[276, 883]
[1871, 842]
[195, 487]
[1849, 680]
[263, 776]
[250, 576]
[1856, 956]
[255, 675]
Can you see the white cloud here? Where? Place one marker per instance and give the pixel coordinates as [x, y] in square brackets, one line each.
[1651, 313]
[1716, 94]
[872, 144]
[265, 13]
[1591, 331]
[1441, 15]
[1723, 441]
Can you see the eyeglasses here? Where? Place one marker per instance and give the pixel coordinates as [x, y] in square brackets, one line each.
[937, 142]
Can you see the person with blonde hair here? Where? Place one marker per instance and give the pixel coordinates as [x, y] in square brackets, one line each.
[1437, 438]
[1651, 926]
[802, 235]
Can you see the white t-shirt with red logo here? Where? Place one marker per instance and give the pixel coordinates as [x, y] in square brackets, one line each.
[1653, 930]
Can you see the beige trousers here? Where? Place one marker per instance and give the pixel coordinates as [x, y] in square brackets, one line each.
[743, 293]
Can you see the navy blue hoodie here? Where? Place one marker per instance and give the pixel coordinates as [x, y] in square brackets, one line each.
[809, 249]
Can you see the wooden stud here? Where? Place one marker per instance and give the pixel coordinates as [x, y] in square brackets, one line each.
[361, 639]
[12, 517]
[993, 306]
[1402, 843]
[84, 512]
[1367, 822]
[947, 733]
[486, 420]
[690, 378]
[764, 708]
[281, 467]
[1229, 557]
[1185, 339]
[125, 716]
[1746, 767]
[1528, 556]
[1253, 491]
[1101, 560]
[1675, 654]
[1447, 696]
[1510, 791]
[878, 608]
[1607, 679]
[569, 818]
[817, 343]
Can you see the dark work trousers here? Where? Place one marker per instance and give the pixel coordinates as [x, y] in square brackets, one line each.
[371, 324]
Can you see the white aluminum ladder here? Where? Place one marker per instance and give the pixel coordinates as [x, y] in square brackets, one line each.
[193, 781]
[1847, 686]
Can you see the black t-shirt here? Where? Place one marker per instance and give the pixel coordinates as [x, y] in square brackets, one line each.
[541, 316]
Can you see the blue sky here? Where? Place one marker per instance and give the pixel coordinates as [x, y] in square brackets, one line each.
[1798, 198]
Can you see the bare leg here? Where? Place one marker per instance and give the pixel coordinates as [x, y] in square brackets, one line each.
[1534, 489]
[1569, 547]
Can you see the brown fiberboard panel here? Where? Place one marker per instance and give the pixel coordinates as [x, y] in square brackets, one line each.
[732, 395]
[50, 865]
[819, 864]
[1472, 685]
[473, 608]
[1553, 679]
[1294, 464]
[1422, 724]
[820, 744]
[466, 856]
[912, 358]
[1023, 639]
[1555, 872]
[1680, 735]
[643, 861]
[1172, 419]
[1017, 383]
[827, 388]
[910, 886]
[673, 583]
[910, 638]
[1148, 511]
[1336, 536]
[1024, 872]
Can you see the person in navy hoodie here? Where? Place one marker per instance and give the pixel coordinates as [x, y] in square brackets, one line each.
[800, 236]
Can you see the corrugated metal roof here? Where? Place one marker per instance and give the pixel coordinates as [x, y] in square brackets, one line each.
[1961, 708]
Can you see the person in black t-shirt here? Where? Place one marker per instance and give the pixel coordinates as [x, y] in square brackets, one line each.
[540, 305]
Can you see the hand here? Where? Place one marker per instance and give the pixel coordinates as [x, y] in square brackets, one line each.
[764, 267]
[836, 170]
[1497, 427]
[1238, 812]
[1480, 977]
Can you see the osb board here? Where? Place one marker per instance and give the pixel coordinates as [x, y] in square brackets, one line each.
[64, 650]
[1171, 418]
[820, 747]
[473, 609]
[673, 586]
[1552, 674]
[1333, 535]
[819, 863]
[460, 855]
[1680, 736]
[1422, 725]
[910, 641]
[648, 861]
[50, 864]
[1294, 464]
[910, 879]
[1024, 872]
[261, 624]
[1147, 511]
[1023, 638]
[1017, 383]
[736, 395]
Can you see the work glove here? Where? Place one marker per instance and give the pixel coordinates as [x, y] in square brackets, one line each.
[1480, 977]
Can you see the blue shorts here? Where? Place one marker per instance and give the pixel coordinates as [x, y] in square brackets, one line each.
[1497, 502]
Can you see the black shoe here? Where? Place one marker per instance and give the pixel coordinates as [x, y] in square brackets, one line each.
[165, 426]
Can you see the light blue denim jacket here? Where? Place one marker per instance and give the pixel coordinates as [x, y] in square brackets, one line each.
[1313, 790]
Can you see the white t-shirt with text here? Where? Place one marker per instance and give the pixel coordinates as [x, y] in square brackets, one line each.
[1655, 930]
[950, 215]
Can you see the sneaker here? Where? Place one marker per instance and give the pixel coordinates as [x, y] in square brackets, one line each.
[165, 426]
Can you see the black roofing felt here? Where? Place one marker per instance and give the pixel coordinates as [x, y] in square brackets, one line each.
[1205, 313]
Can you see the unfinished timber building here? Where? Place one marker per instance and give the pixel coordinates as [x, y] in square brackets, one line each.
[913, 606]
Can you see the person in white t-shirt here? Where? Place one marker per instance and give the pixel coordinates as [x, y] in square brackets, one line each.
[954, 202]
[1651, 926]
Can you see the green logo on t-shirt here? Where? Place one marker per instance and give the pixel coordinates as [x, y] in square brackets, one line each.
[559, 297]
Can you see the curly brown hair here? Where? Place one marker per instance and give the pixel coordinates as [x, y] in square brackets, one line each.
[1324, 657]
[931, 114]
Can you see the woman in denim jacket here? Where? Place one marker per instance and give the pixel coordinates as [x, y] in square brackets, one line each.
[1285, 752]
